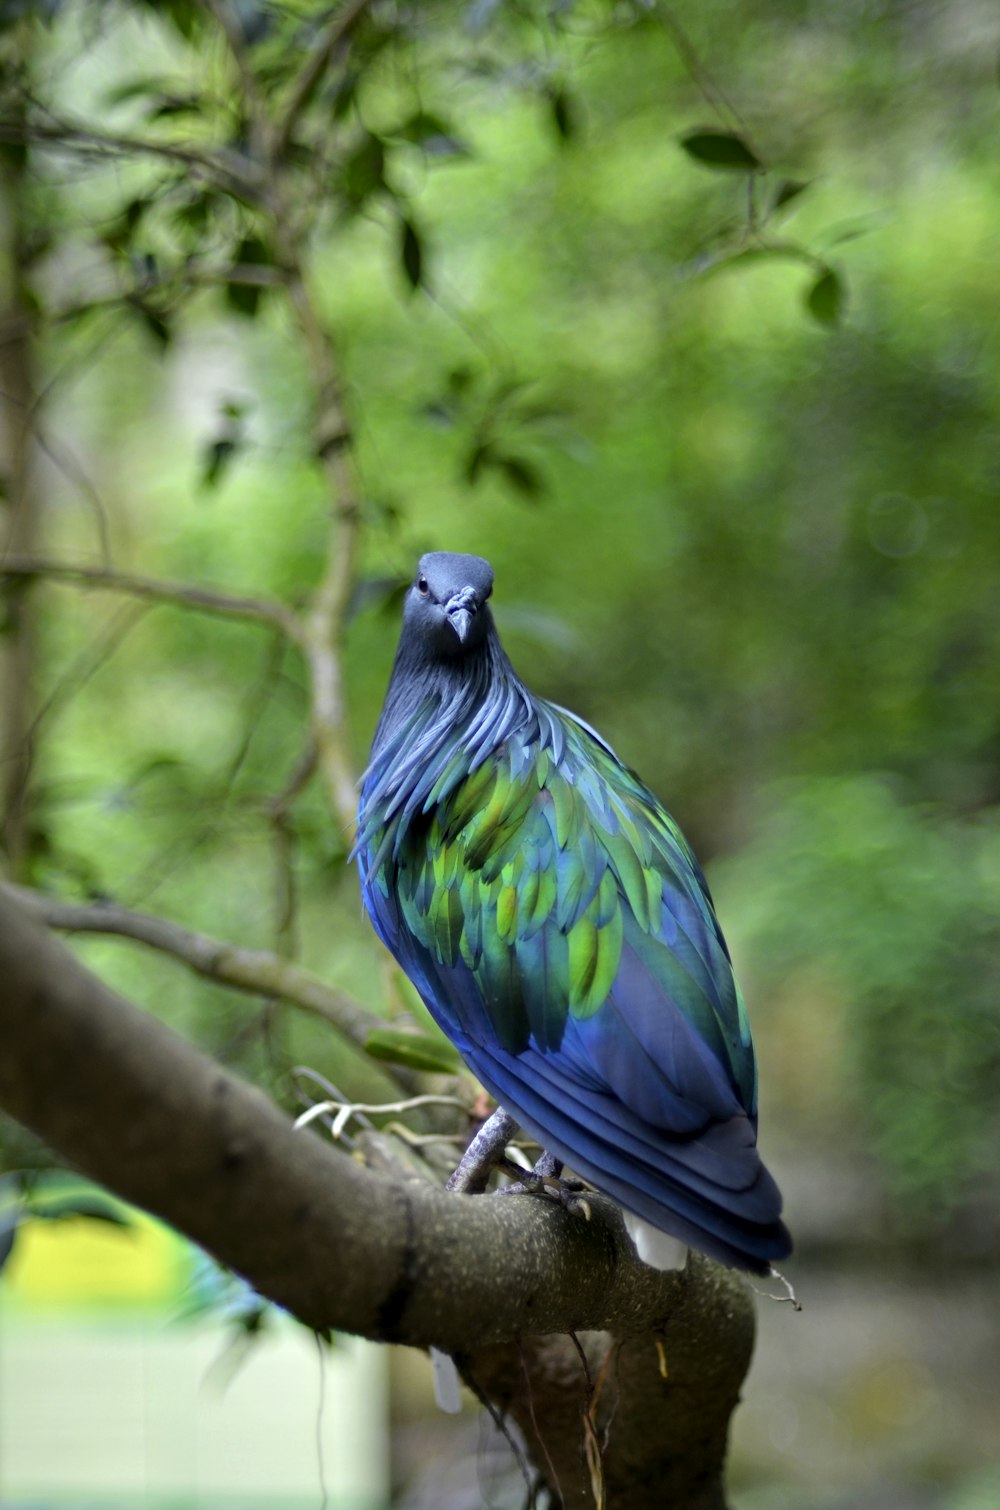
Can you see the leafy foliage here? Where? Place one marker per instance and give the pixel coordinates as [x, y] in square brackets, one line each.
[903, 920]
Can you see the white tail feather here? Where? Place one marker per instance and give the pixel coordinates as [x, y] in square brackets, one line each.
[657, 1249]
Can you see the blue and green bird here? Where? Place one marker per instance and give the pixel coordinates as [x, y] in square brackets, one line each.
[556, 923]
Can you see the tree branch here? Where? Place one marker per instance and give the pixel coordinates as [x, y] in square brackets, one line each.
[253, 970]
[20, 513]
[255, 610]
[323, 624]
[343, 1246]
[338, 1244]
[338, 30]
[236, 174]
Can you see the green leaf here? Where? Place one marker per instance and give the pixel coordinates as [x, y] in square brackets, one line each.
[92, 1205]
[185, 15]
[156, 325]
[193, 213]
[789, 189]
[217, 458]
[827, 297]
[563, 111]
[433, 134]
[721, 149]
[168, 105]
[343, 94]
[460, 379]
[479, 457]
[244, 298]
[362, 173]
[416, 1051]
[8, 1232]
[135, 89]
[522, 476]
[411, 254]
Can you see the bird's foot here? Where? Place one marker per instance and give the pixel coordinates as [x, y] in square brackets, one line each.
[546, 1179]
[483, 1154]
[487, 1152]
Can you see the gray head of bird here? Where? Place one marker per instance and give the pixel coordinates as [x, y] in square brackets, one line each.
[445, 611]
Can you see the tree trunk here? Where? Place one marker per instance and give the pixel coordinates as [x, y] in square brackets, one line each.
[20, 529]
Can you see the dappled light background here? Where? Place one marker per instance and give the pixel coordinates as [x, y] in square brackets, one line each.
[744, 525]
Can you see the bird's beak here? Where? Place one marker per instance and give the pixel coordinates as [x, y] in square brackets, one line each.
[461, 609]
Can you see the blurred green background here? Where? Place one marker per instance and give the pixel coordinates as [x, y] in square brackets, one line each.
[746, 526]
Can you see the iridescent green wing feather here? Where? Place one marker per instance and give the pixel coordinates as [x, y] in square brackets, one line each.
[544, 879]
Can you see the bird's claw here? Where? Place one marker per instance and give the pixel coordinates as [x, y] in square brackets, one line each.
[568, 1193]
[486, 1153]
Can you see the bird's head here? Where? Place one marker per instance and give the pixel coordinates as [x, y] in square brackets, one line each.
[445, 612]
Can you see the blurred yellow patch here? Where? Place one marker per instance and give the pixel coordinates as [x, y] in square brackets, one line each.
[82, 1262]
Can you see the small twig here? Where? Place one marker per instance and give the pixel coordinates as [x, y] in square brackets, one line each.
[592, 1443]
[252, 970]
[255, 610]
[345, 1110]
[230, 171]
[79, 672]
[422, 1140]
[539, 1438]
[74, 471]
[789, 1298]
[496, 1416]
[277, 807]
[714, 94]
[338, 30]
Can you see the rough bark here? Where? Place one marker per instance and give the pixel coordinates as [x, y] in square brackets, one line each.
[344, 1246]
[20, 533]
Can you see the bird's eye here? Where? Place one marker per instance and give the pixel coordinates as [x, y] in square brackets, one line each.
[422, 585]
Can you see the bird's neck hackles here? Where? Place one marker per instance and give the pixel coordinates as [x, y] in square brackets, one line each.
[441, 720]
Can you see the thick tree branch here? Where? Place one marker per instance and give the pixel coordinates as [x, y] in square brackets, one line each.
[254, 970]
[339, 1245]
[660, 1399]
[142, 1111]
[20, 513]
[256, 610]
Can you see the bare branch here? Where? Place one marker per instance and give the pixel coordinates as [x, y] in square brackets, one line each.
[232, 172]
[699, 74]
[20, 515]
[254, 970]
[337, 32]
[278, 806]
[254, 610]
[323, 624]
